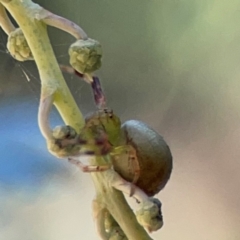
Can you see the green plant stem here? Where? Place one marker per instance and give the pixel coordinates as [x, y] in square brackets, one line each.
[117, 205]
[51, 76]
[5, 22]
[54, 84]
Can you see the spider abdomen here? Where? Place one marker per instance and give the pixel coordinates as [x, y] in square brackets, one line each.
[153, 156]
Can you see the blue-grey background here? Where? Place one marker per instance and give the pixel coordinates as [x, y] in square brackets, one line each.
[172, 64]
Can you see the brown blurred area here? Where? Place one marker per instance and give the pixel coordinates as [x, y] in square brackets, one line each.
[172, 64]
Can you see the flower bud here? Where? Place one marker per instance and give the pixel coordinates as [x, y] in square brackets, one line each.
[18, 47]
[85, 55]
[150, 215]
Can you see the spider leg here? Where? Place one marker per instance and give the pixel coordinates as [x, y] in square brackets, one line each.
[99, 96]
[124, 186]
[88, 168]
[133, 163]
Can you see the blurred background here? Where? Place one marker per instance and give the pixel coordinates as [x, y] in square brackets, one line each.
[172, 64]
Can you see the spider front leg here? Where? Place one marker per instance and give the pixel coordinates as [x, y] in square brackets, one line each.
[88, 168]
[126, 163]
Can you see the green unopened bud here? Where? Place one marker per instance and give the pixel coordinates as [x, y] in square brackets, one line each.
[55, 148]
[64, 132]
[85, 55]
[18, 47]
[149, 215]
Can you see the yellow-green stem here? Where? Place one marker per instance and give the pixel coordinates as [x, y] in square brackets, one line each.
[118, 208]
[117, 205]
[5, 23]
[51, 76]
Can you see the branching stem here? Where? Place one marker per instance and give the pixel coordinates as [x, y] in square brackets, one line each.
[61, 23]
[55, 89]
[51, 76]
[5, 22]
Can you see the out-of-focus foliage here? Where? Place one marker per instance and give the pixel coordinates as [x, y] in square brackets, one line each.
[172, 64]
